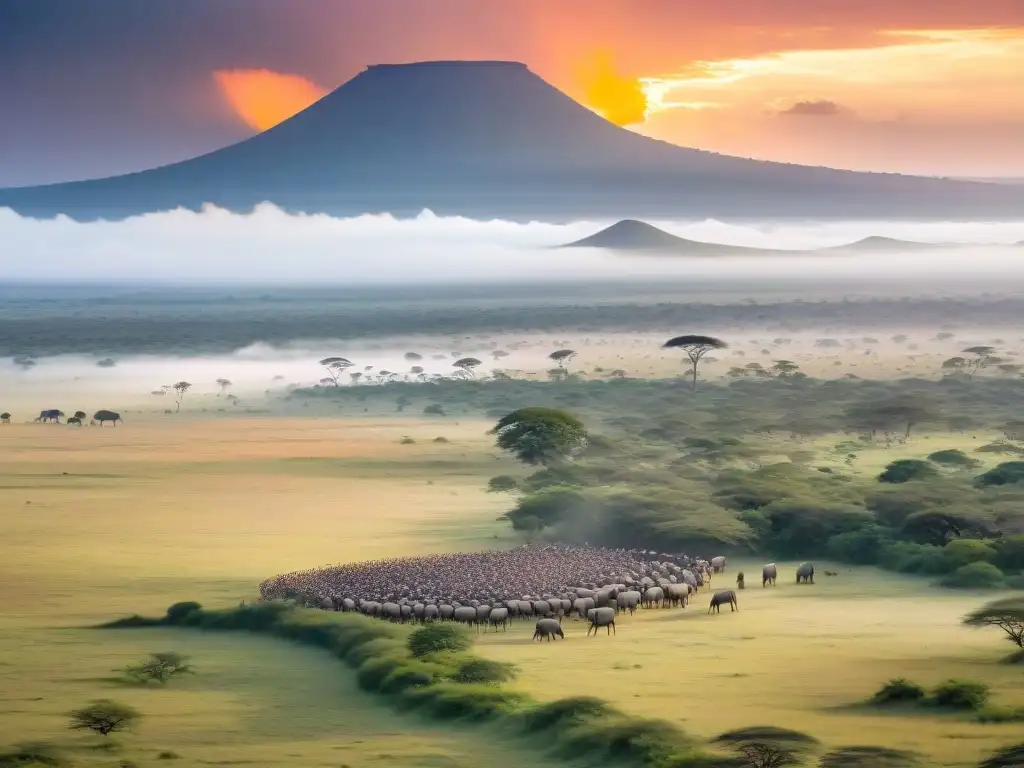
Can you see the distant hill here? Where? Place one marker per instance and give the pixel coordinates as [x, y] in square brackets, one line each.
[876, 244]
[630, 235]
[491, 139]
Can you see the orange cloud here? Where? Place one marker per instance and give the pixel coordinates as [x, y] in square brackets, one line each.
[263, 98]
[618, 99]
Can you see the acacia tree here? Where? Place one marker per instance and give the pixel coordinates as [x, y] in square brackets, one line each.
[1007, 614]
[695, 347]
[466, 365]
[335, 367]
[983, 356]
[562, 356]
[103, 717]
[180, 388]
[224, 384]
[540, 435]
[5, 418]
[768, 747]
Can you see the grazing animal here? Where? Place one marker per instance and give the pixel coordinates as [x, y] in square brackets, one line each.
[769, 574]
[653, 595]
[546, 629]
[52, 414]
[723, 596]
[465, 615]
[805, 573]
[5, 418]
[718, 564]
[628, 601]
[111, 416]
[498, 617]
[677, 594]
[75, 420]
[601, 617]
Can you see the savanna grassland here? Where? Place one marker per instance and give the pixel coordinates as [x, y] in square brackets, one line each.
[776, 456]
[101, 523]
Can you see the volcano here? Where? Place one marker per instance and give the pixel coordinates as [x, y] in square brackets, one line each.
[492, 139]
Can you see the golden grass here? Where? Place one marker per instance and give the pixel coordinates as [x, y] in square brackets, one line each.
[794, 657]
[164, 510]
[150, 514]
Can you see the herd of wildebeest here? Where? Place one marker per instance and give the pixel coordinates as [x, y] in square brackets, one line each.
[489, 589]
[54, 415]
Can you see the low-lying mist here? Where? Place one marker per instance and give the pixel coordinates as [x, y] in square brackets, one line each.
[270, 245]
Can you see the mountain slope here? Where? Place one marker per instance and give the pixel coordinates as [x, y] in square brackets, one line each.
[493, 139]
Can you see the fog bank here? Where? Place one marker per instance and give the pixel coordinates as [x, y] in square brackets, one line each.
[270, 245]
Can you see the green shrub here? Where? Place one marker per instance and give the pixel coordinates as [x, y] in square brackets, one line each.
[177, 612]
[643, 742]
[953, 458]
[450, 701]
[975, 576]
[410, 675]
[909, 557]
[134, 621]
[563, 712]
[375, 648]
[1009, 552]
[483, 671]
[373, 672]
[960, 694]
[961, 552]
[898, 690]
[437, 637]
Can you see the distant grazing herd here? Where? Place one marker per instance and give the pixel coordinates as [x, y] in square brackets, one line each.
[54, 415]
[489, 589]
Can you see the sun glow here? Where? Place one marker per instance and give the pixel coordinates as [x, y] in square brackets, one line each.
[263, 98]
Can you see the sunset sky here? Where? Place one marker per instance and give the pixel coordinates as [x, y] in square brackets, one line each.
[920, 86]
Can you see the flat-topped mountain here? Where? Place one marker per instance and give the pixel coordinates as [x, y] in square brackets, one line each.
[492, 139]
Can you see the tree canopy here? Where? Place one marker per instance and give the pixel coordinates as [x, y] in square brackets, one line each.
[540, 435]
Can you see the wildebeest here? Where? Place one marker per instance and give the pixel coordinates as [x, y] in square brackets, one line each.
[769, 574]
[111, 416]
[805, 573]
[498, 617]
[601, 617]
[718, 564]
[51, 414]
[75, 420]
[723, 596]
[548, 628]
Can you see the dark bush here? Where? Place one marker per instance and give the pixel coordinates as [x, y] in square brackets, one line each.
[177, 612]
[450, 701]
[373, 672]
[868, 757]
[1007, 473]
[899, 690]
[410, 675]
[502, 484]
[437, 638]
[1008, 757]
[908, 557]
[905, 470]
[960, 694]
[860, 547]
